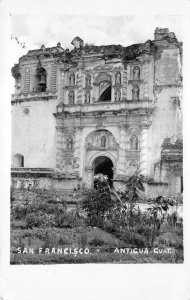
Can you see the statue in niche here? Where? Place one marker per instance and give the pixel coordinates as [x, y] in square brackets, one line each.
[134, 143]
[103, 141]
[71, 97]
[117, 95]
[88, 80]
[135, 93]
[136, 73]
[87, 97]
[72, 79]
[118, 78]
[69, 143]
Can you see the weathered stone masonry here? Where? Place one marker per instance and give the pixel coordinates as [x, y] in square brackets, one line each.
[96, 109]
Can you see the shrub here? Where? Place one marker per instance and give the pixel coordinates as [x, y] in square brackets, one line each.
[97, 203]
[40, 220]
[19, 211]
[46, 208]
[96, 242]
[140, 241]
[32, 220]
[82, 240]
[70, 219]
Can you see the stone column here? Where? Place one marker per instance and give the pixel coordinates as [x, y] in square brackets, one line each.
[77, 151]
[146, 81]
[48, 83]
[122, 152]
[79, 83]
[88, 177]
[124, 95]
[144, 150]
[61, 85]
[59, 149]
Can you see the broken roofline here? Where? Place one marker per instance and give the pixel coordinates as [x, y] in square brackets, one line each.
[162, 37]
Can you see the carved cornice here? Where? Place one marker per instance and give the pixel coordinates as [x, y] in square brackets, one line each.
[71, 87]
[158, 88]
[135, 82]
[31, 172]
[117, 86]
[60, 176]
[28, 99]
[87, 88]
[145, 125]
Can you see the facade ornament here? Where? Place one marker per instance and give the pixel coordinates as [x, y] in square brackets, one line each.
[146, 80]
[118, 78]
[88, 80]
[103, 141]
[72, 79]
[87, 97]
[136, 73]
[158, 89]
[117, 95]
[71, 97]
[69, 143]
[134, 143]
[135, 93]
[100, 120]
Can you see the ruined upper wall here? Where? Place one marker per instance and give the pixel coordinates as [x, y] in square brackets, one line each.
[162, 39]
[160, 57]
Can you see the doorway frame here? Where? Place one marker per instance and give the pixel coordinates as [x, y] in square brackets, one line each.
[90, 166]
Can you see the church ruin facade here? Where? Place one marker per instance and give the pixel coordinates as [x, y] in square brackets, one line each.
[99, 109]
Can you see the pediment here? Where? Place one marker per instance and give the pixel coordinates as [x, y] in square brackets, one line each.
[103, 68]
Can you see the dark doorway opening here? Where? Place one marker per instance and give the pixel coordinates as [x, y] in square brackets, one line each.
[104, 165]
[106, 95]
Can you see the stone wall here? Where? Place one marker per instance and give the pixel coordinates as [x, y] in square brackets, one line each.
[33, 132]
[165, 118]
[50, 128]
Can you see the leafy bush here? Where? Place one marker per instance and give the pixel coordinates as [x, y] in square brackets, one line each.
[40, 220]
[46, 208]
[19, 211]
[96, 242]
[140, 241]
[98, 203]
[82, 240]
[32, 220]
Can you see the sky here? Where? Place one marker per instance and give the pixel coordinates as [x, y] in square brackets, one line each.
[35, 30]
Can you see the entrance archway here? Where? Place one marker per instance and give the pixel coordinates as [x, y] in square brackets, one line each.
[104, 165]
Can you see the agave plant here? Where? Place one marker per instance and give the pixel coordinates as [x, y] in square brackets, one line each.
[157, 213]
[126, 203]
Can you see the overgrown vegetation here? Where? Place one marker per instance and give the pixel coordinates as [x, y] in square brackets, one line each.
[102, 220]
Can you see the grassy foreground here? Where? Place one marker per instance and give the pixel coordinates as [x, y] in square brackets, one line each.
[41, 224]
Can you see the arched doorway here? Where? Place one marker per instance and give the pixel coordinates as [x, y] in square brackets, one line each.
[104, 165]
